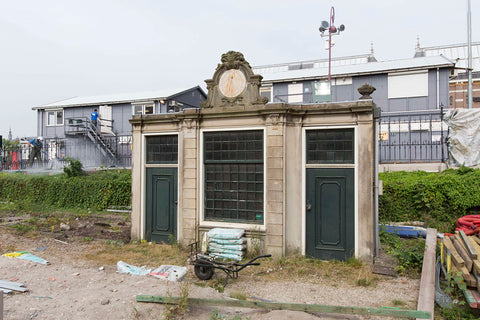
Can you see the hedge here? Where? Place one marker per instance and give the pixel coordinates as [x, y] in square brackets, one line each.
[438, 199]
[94, 191]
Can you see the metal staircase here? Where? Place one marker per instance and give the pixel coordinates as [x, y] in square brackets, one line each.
[83, 126]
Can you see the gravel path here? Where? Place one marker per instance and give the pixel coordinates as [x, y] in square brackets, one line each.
[67, 289]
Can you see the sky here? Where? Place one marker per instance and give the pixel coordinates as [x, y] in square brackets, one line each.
[52, 50]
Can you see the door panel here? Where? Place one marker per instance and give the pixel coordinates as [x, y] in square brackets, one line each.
[330, 213]
[106, 120]
[161, 206]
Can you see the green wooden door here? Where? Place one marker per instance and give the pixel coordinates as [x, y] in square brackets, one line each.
[330, 213]
[161, 214]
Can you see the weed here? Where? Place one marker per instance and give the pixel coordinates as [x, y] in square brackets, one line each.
[135, 313]
[179, 310]
[398, 303]
[354, 262]
[238, 295]
[217, 316]
[409, 252]
[23, 228]
[87, 239]
[215, 284]
[363, 282]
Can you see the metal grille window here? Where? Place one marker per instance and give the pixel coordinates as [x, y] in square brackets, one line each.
[234, 176]
[330, 146]
[162, 149]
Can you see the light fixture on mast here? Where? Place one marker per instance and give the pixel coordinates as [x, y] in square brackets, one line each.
[332, 31]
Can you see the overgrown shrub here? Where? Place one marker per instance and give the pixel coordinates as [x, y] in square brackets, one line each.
[95, 191]
[74, 168]
[438, 199]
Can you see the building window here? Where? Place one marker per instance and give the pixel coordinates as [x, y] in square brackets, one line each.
[233, 184]
[408, 84]
[266, 92]
[162, 149]
[330, 146]
[143, 109]
[321, 91]
[295, 93]
[55, 118]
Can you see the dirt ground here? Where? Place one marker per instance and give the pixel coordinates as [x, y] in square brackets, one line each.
[72, 287]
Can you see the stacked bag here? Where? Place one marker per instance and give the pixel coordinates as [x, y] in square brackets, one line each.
[227, 243]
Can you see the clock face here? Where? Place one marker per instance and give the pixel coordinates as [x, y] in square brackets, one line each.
[232, 83]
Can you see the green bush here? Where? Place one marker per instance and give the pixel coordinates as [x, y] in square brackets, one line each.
[74, 168]
[94, 191]
[438, 199]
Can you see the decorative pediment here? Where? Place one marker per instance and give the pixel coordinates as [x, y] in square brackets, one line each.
[233, 83]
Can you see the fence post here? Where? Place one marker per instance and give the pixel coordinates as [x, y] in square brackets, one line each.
[1, 305]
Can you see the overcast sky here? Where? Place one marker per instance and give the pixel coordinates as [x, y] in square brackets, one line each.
[57, 49]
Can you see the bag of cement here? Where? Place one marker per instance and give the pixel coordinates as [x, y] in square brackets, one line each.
[231, 256]
[123, 267]
[231, 247]
[229, 241]
[171, 273]
[222, 233]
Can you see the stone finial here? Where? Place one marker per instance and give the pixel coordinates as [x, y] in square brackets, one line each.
[366, 90]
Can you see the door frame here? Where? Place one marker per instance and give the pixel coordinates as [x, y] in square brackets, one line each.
[327, 166]
[143, 182]
[172, 174]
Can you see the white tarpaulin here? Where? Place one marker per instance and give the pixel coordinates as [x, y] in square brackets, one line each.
[464, 136]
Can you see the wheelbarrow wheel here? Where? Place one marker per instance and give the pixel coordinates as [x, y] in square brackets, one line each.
[203, 271]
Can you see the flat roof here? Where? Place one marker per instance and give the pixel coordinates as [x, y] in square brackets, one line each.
[116, 98]
[411, 64]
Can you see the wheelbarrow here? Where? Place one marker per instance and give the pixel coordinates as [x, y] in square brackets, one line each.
[204, 265]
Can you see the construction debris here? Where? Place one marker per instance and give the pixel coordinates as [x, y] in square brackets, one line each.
[9, 286]
[460, 255]
[26, 256]
[382, 311]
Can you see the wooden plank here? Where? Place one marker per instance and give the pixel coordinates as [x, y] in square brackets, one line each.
[453, 253]
[457, 243]
[476, 239]
[468, 277]
[385, 311]
[449, 261]
[443, 253]
[426, 295]
[468, 246]
[472, 302]
[475, 246]
[476, 296]
[476, 267]
[477, 279]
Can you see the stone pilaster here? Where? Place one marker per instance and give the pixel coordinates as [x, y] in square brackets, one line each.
[274, 168]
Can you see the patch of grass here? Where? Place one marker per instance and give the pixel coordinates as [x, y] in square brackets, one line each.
[399, 303]
[138, 254]
[364, 282]
[409, 253]
[238, 295]
[23, 228]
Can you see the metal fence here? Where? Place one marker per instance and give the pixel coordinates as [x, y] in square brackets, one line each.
[55, 152]
[415, 137]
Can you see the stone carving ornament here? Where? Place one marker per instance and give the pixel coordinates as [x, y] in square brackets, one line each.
[233, 83]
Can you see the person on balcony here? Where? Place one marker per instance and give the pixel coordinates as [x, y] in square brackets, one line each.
[37, 147]
[94, 117]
